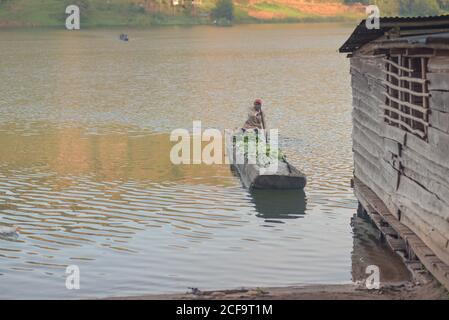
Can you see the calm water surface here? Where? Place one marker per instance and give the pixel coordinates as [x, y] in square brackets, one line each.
[85, 171]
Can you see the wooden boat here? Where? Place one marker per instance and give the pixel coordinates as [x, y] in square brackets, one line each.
[284, 177]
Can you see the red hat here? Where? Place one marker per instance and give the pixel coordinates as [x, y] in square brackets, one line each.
[258, 102]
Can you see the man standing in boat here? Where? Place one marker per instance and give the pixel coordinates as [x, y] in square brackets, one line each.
[256, 117]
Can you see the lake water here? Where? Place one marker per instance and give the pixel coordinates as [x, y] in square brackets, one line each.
[85, 170]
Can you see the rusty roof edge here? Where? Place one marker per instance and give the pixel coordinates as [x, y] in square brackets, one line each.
[362, 36]
[436, 38]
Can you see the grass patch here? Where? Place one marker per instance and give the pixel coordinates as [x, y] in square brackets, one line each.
[101, 13]
[278, 10]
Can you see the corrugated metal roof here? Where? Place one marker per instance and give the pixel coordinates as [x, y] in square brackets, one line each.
[422, 39]
[362, 35]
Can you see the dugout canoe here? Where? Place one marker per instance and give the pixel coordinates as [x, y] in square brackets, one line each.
[285, 177]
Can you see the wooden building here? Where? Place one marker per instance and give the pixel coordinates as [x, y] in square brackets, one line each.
[400, 85]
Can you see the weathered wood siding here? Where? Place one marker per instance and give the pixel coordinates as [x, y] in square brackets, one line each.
[409, 174]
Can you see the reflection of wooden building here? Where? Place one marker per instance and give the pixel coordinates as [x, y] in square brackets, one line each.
[400, 83]
[369, 249]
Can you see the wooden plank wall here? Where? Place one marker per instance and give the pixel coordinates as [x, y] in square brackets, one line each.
[410, 175]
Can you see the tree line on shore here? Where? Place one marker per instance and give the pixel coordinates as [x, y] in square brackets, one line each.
[407, 7]
[186, 12]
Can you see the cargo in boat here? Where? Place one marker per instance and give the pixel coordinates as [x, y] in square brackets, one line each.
[262, 176]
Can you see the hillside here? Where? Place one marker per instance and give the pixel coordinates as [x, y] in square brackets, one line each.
[50, 13]
[141, 13]
[294, 9]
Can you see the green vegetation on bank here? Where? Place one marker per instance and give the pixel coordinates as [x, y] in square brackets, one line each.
[407, 7]
[107, 13]
[95, 13]
[142, 13]
[223, 11]
[284, 13]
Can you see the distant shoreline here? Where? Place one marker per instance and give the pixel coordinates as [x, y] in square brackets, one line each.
[127, 13]
[175, 21]
[6, 26]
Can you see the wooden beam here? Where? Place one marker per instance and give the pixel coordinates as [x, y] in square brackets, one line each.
[439, 120]
[438, 81]
[439, 100]
[431, 262]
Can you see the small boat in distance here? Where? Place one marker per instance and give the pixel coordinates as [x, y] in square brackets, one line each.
[124, 37]
[223, 22]
[9, 232]
[253, 176]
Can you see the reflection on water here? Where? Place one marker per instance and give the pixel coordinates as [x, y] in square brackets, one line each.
[371, 249]
[85, 170]
[112, 156]
[278, 205]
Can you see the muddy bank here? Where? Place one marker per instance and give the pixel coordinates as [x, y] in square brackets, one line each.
[403, 291]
